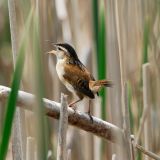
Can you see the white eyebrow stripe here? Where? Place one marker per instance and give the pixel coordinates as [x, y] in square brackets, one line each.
[62, 48]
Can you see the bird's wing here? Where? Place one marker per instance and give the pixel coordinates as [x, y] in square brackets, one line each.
[79, 79]
[83, 87]
[83, 68]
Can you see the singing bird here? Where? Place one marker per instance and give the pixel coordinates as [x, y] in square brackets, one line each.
[74, 75]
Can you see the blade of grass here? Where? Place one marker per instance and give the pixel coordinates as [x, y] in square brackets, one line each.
[100, 42]
[145, 42]
[101, 57]
[95, 21]
[39, 89]
[129, 105]
[145, 46]
[11, 104]
[144, 60]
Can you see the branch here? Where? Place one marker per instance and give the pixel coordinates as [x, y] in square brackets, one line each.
[99, 127]
[146, 152]
[143, 150]
[63, 124]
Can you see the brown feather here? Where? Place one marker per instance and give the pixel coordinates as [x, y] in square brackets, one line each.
[95, 86]
[79, 78]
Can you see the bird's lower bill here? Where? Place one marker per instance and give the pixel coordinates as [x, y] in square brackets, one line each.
[52, 52]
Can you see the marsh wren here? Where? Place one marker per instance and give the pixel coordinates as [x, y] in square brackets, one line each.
[74, 75]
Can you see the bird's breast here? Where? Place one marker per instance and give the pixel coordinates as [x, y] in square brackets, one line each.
[60, 68]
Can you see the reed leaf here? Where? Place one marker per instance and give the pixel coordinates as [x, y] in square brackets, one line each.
[101, 58]
[39, 89]
[130, 109]
[11, 104]
[145, 42]
[100, 42]
[95, 21]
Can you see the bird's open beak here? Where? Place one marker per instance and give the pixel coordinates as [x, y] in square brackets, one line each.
[52, 52]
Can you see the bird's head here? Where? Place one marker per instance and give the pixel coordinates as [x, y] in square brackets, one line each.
[64, 50]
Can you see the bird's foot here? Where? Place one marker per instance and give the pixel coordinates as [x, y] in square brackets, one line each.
[90, 116]
[74, 107]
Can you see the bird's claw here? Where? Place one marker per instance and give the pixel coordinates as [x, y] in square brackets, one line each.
[90, 116]
[74, 107]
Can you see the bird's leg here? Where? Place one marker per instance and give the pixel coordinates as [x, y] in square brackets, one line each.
[89, 108]
[89, 111]
[74, 102]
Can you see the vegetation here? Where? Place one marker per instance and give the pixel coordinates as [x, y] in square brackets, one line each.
[116, 40]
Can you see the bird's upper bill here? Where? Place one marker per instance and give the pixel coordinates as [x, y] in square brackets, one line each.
[58, 48]
[52, 52]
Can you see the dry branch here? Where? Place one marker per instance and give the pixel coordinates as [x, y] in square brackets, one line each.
[63, 124]
[30, 150]
[146, 152]
[99, 127]
[81, 120]
[127, 128]
[141, 126]
[143, 150]
[147, 106]
[145, 119]
[69, 154]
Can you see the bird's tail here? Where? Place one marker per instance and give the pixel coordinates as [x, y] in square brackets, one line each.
[95, 86]
[105, 83]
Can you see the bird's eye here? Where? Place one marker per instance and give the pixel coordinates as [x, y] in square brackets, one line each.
[60, 49]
